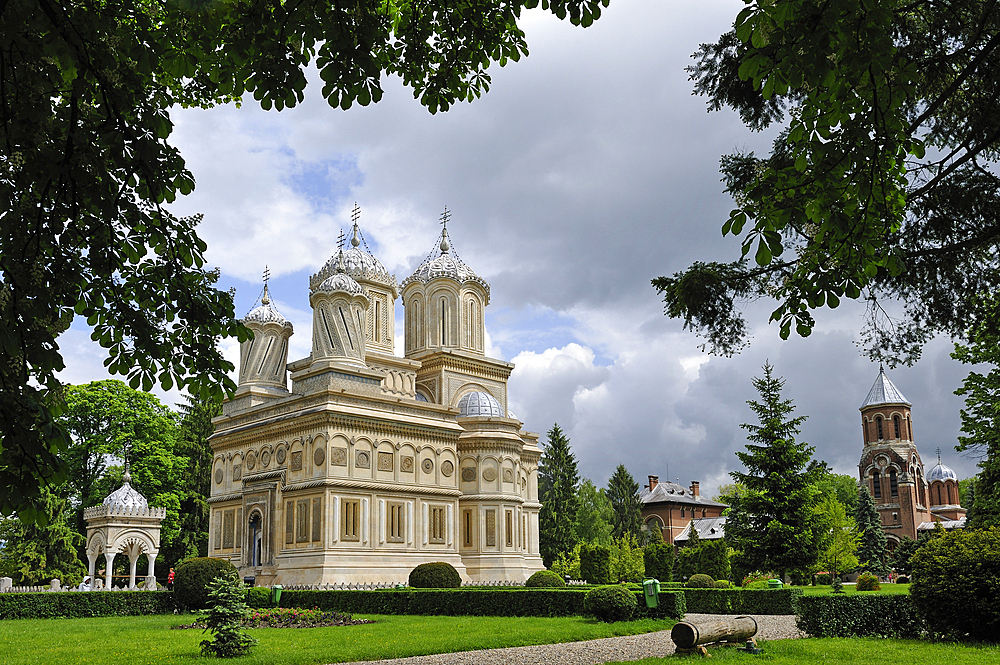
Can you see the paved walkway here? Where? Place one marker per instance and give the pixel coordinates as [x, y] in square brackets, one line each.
[591, 652]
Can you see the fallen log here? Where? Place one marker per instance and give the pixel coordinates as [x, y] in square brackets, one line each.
[689, 634]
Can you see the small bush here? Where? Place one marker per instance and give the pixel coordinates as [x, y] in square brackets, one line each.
[610, 603]
[723, 584]
[824, 579]
[902, 579]
[595, 564]
[191, 580]
[659, 559]
[858, 616]
[545, 578]
[437, 575]
[700, 581]
[868, 582]
[956, 584]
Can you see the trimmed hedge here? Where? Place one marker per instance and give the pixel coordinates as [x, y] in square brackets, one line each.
[595, 564]
[470, 601]
[742, 601]
[545, 578]
[659, 561]
[610, 603]
[75, 604]
[859, 616]
[436, 575]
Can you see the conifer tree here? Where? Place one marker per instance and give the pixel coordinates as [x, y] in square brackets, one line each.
[558, 481]
[626, 509]
[32, 553]
[873, 551]
[771, 525]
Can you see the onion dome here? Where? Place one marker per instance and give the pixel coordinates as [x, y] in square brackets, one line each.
[358, 263]
[445, 262]
[941, 471]
[126, 497]
[341, 281]
[884, 392]
[266, 313]
[479, 404]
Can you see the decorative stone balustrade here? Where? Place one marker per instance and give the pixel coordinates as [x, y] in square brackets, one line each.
[123, 511]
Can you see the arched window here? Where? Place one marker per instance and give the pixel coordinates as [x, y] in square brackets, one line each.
[876, 485]
[878, 427]
[951, 497]
[895, 422]
[893, 484]
[444, 322]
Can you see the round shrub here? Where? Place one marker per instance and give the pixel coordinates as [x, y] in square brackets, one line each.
[545, 578]
[956, 584]
[868, 582]
[437, 575]
[610, 603]
[723, 584]
[191, 579]
[824, 579]
[700, 581]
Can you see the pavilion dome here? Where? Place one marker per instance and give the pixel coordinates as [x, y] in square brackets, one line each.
[126, 497]
[479, 404]
[941, 472]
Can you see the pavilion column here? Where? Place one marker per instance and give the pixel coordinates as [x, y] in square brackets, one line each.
[131, 564]
[150, 575]
[92, 559]
[109, 559]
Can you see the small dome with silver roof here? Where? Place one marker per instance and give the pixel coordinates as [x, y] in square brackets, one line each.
[941, 471]
[358, 263]
[266, 313]
[479, 404]
[341, 281]
[126, 497]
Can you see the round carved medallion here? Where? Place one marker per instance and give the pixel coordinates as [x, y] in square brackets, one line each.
[469, 474]
[265, 458]
[427, 465]
[319, 456]
[280, 455]
[447, 468]
[218, 476]
[489, 474]
[251, 460]
[363, 459]
[508, 475]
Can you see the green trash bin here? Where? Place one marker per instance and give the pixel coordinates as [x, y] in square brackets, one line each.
[651, 592]
[276, 594]
[774, 584]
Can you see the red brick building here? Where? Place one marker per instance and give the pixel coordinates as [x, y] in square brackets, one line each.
[907, 499]
[671, 507]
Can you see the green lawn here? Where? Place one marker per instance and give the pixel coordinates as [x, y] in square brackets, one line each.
[824, 590]
[863, 651]
[149, 640]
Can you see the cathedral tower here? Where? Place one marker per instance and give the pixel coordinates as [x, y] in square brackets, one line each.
[340, 309]
[263, 358]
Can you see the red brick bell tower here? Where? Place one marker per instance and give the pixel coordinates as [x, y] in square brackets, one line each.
[890, 465]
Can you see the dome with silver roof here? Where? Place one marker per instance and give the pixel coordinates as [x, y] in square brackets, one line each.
[266, 313]
[126, 497]
[445, 262]
[479, 404]
[341, 281]
[941, 472]
[884, 392]
[358, 263]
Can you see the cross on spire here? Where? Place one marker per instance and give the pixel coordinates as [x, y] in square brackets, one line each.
[340, 239]
[445, 218]
[938, 451]
[355, 214]
[267, 274]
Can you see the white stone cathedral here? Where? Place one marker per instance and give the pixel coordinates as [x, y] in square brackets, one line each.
[372, 463]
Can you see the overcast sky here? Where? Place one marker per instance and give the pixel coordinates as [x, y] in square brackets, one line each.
[586, 171]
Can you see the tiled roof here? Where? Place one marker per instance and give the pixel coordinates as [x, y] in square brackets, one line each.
[668, 492]
[709, 528]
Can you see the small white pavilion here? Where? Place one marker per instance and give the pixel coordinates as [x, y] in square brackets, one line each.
[124, 523]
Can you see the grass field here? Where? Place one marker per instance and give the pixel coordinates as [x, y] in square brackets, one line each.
[848, 651]
[823, 590]
[149, 641]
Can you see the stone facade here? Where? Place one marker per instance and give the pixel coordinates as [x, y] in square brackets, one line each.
[671, 507]
[371, 464]
[891, 468]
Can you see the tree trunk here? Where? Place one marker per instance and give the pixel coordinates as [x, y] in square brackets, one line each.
[688, 634]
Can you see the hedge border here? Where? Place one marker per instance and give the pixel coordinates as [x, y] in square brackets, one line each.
[77, 604]
[869, 615]
[742, 601]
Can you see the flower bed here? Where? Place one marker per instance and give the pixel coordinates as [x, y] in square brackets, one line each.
[291, 617]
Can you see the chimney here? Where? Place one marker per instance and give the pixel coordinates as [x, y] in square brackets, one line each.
[653, 480]
[694, 488]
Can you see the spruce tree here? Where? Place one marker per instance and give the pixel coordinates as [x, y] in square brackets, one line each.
[626, 509]
[558, 481]
[771, 525]
[873, 551]
[33, 553]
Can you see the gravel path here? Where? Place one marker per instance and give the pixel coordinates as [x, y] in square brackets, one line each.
[609, 649]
